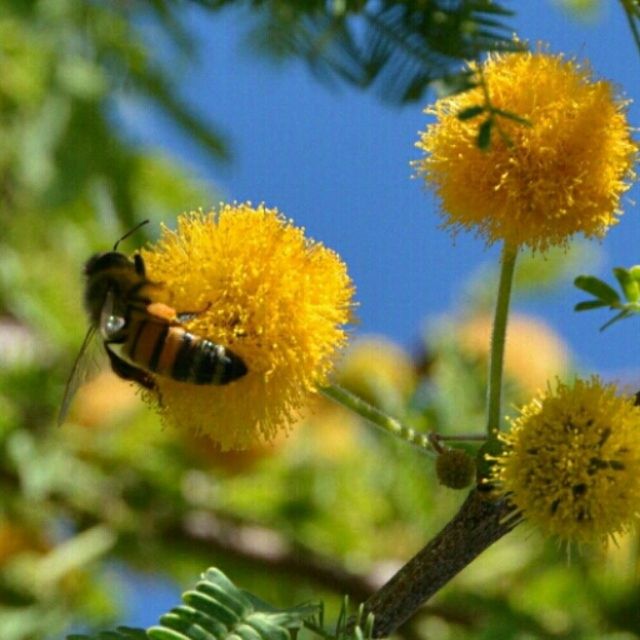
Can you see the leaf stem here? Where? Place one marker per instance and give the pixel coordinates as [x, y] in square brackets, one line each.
[378, 418]
[496, 361]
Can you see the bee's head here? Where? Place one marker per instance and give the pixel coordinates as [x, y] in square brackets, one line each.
[112, 271]
[104, 272]
[104, 262]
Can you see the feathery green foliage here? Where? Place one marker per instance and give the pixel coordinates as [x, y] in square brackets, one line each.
[396, 48]
[216, 608]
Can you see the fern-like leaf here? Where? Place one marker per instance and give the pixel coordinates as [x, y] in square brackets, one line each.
[400, 46]
[216, 610]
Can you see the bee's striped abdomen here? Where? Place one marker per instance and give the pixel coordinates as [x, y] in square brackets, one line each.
[145, 343]
[174, 352]
[201, 361]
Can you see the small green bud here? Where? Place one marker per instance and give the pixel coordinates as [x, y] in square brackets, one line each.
[455, 468]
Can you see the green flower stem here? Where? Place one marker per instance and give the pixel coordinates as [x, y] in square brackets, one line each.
[494, 390]
[378, 418]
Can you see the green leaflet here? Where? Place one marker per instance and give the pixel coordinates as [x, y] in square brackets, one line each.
[604, 295]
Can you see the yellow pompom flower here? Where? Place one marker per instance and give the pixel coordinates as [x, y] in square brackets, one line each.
[538, 183]
[571, 462]
[273, 297]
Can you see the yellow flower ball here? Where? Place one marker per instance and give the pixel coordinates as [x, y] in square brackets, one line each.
[571, 462]
[538, 183]
[261, 289]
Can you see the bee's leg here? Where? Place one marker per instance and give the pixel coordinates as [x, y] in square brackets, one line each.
[127, 371]
[185, 316]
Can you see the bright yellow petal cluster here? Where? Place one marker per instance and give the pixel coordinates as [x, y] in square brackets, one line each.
[275, 298]
[571, 462]
[540, 183]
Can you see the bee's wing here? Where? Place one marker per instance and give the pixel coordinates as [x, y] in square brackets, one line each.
[86, 366]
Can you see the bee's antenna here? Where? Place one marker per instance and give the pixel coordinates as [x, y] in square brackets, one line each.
[131, 231]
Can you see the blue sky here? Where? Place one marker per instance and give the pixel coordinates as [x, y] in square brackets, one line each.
[337, 162]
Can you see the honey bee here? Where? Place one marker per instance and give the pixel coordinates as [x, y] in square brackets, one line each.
[143, 337]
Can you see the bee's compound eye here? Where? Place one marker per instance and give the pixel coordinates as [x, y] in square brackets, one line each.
[110, 325]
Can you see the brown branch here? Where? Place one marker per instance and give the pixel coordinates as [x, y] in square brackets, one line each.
[479, 523]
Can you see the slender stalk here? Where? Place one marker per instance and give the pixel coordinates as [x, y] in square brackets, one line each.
[378, 418]
[496, 361]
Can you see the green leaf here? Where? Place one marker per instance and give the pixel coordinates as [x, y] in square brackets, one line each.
[597, 288]
[217, 610]
[183, 617]
[211, 607]
[590, 304]
[470, 112]
[218, 586]
[246, 632]
[635, 272]
[266, 629]
[630, 286]
[484, 134]
[512, 116]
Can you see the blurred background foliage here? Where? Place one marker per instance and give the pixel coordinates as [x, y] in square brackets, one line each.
[328, 510]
